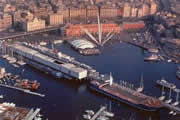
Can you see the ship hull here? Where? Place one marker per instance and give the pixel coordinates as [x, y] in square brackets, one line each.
[138, 106]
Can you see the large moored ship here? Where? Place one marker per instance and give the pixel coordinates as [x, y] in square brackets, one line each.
[125, 95]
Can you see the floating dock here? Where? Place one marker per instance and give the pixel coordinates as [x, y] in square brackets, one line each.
[22, 90]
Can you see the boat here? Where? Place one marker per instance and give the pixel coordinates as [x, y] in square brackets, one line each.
[87, 117]
[153, 57]
[21, 63]
[43, 43]
[125, 95]
[12, 60]
[4, 56]
[102, 118]
[178, 74]
[89, 51]
[15, 65]
[153, 50]
[27, 84]
[58, 41]
[109, 114]
[89, 112]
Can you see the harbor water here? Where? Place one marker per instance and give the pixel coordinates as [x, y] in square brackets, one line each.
[67, 100]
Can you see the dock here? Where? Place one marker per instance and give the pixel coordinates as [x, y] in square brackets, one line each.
[167, 104]
[172, 108]
[23, 90]
[98, 113]
[32, 114]
[166, 84]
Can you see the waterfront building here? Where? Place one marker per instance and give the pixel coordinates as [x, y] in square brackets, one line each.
[140, 12]
[5, 21]
[55, 19]
[92, 11]
[145, 10]
[127, 10]
[153, 9]
[133, 25]
[35, 24]
[108, 11]
[134, 11]
[21, 16]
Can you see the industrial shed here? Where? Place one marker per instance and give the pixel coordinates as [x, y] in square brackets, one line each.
[82, 44]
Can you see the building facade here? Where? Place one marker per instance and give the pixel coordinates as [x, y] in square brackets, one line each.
[5, 22]
[35, 24]
[55, 19]
[127, 10]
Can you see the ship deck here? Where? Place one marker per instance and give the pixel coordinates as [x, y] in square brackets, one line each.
[122, 92]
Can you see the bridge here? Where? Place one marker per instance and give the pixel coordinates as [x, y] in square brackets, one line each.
[47, 29]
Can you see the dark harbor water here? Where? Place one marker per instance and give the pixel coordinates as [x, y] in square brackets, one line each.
[67, 100]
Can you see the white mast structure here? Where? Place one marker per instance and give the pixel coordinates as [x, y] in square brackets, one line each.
[141, 88]
[99, 41]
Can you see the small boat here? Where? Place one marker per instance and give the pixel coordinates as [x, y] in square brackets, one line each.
[58, 41]
[27, 84]
[87, 117]
[21, 63]
[153, 57]
[4, 56]
[12, 60]
[1, 97]
[109, 114]
[153, 50]
[15, 65]
[169, 60]
[43, 43]
[89, 112]
[102, 118]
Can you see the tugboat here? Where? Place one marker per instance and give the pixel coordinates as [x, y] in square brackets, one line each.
[27, 84]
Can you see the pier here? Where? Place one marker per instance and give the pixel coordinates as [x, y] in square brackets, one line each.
[23, 90]
[167, 104]
[171, 107]
[32, 114]
[98, 113]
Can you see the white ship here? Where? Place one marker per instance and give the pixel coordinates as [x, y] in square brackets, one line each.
[153, 57]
